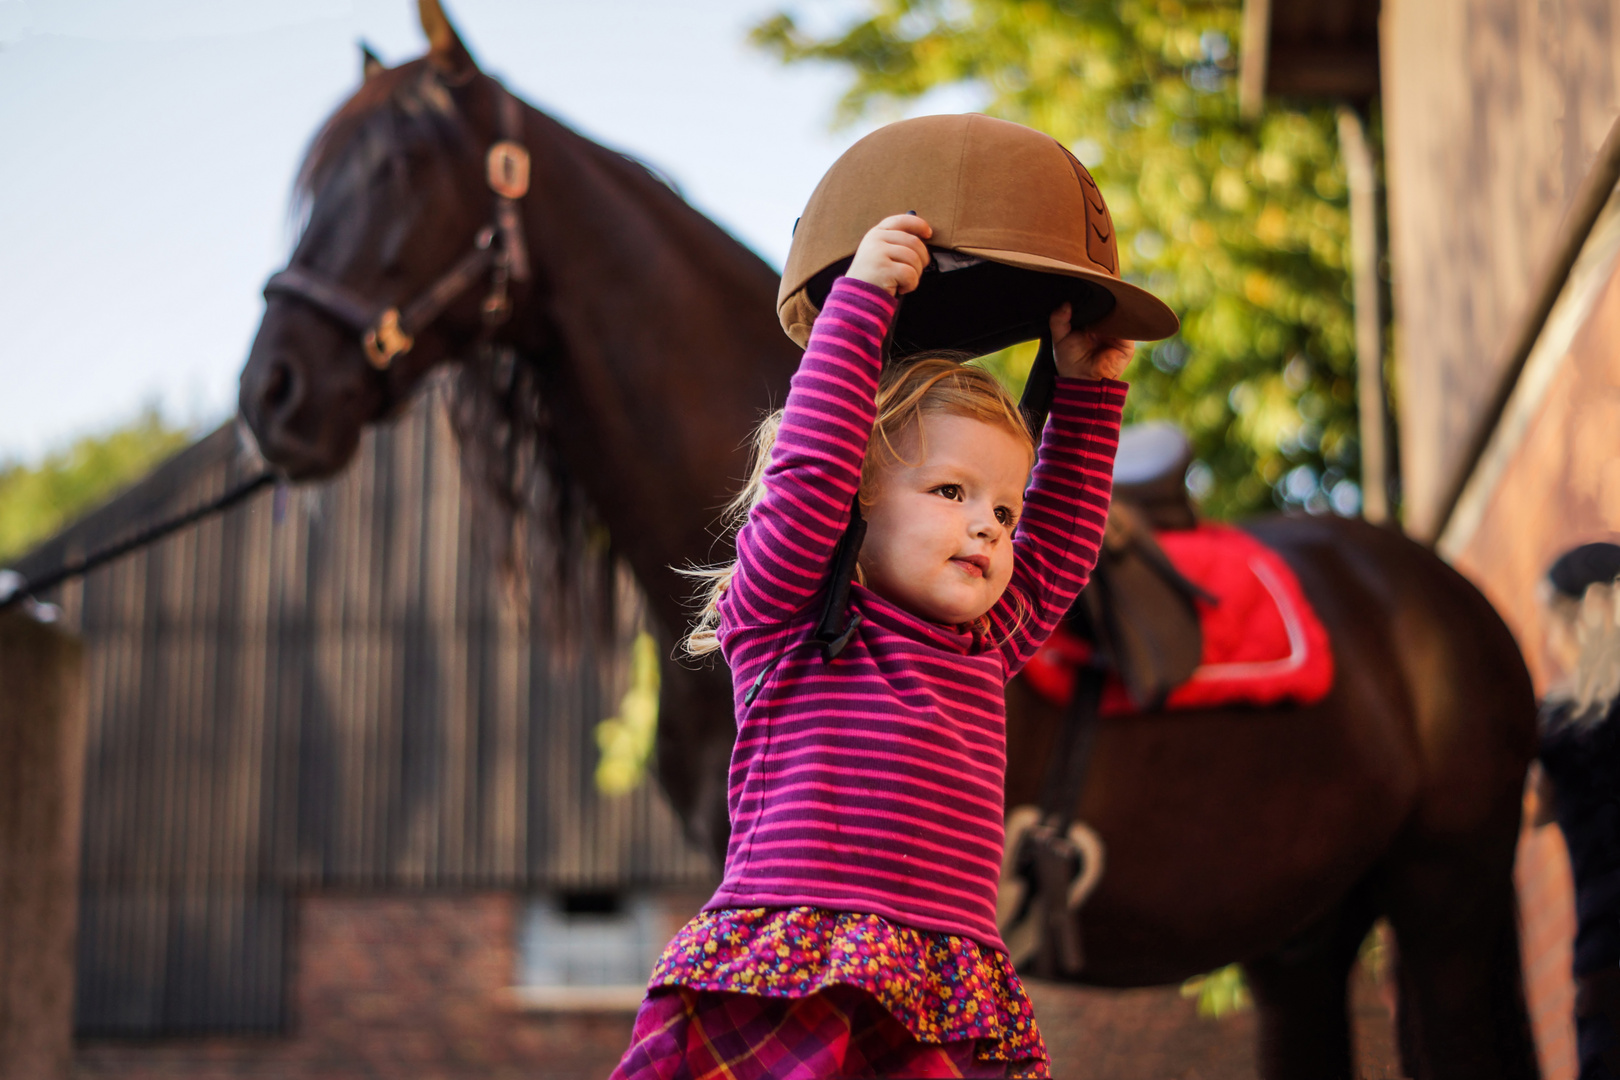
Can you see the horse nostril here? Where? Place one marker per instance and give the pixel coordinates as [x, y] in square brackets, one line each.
[280, 388]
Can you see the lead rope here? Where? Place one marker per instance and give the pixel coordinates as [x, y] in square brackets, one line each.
[14, 588]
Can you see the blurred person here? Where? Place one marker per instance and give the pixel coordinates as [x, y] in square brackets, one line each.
[1580, 783]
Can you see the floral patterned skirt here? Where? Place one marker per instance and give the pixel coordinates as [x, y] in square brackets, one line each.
[941, 988]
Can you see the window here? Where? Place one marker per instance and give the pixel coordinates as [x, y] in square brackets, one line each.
[589, 950]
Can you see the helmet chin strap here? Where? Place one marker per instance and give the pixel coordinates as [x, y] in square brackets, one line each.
[1039, 388]
[838, 623]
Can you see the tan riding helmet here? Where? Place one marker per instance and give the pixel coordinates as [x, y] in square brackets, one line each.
[1019, 227]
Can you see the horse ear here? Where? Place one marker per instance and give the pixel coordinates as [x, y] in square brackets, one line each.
[445, 50]
[370, 66]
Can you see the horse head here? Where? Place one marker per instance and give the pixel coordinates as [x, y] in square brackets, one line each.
[407, 256]
[624, 368]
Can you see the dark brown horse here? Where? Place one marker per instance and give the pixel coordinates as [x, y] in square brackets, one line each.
[646, 347]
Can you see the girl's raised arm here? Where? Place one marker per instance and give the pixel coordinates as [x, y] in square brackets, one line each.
[1065, 511]
[785, 549]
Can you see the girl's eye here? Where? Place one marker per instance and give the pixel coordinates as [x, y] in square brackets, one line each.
[952, 492]
[1004, 515]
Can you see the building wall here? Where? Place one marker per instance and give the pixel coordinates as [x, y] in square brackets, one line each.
[418, 986]
[1493, 111]
[391, 986]
[332, 686]
[1559, 482]
[1559, 486]
[1550, 480]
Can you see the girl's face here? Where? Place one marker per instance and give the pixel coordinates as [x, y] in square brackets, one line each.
[939, 527]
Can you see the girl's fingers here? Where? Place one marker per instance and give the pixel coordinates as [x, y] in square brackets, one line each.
[900, 238]
[1087, 355]
[915, 253]
[907, 223]
[892, 253]
[1060, 320]
[1114, 345]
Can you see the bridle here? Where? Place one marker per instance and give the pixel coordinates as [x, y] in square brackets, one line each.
[388, 332]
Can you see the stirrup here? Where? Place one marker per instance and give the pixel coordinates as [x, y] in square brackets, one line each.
[1040, 865]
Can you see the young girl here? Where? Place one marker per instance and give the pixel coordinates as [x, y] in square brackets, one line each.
[854, 932]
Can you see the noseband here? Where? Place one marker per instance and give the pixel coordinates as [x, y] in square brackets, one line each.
[387, 332]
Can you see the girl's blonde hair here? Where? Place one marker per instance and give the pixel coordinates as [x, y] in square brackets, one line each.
[1591, 626]
[933, 382]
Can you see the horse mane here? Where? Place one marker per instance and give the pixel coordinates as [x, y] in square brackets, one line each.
[400, 105]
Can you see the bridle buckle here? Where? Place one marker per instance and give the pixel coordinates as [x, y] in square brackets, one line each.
[507, 167]
[386, 340]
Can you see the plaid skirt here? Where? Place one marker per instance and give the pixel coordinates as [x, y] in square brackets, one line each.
[842, 1031]
[806, 992]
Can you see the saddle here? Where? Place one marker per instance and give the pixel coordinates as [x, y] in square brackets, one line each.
[1177, 615]
[1139, 612]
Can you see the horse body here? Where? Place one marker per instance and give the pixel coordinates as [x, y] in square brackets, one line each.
[1277, 836]
[1230, 830]
[666, 374]
[1270, 836]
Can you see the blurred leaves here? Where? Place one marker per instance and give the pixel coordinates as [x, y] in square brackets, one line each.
[38, 500]
[1226, 991]
[1220, 993]
[1243, 227]
[626, 740]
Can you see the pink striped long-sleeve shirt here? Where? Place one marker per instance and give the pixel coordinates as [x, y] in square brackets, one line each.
[873, 783]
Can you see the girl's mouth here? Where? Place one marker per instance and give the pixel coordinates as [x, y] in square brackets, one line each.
[975, 565]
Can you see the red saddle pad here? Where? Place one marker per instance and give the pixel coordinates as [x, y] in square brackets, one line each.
[1263, 644]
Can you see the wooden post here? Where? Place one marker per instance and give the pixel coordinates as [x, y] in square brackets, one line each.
[42, 729]
[1372, 400]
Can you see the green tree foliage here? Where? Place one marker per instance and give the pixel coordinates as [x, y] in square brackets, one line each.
[1243, 227]
[37, 500]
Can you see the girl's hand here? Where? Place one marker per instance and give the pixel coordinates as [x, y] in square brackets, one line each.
[1081, 354]
[892, 254]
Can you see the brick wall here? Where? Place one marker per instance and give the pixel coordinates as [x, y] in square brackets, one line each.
[396, 986]
[413, 986]
[1555, 484]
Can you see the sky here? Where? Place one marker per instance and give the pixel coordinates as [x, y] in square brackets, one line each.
[148, 147]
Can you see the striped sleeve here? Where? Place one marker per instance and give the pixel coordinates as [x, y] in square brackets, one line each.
[786, 546]
[1065, 511]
